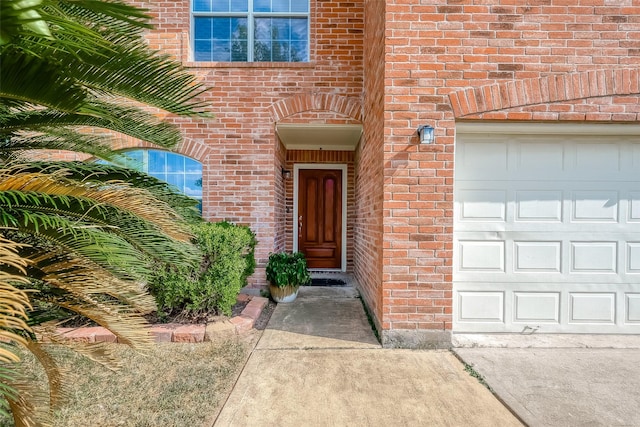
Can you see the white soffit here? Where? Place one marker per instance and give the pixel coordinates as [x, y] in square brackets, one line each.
[296, 136]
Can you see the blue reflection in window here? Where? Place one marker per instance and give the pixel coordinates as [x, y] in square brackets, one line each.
[220, 6]
[201, 5]
[180, 171]
[239, 6]
[203, 28]
[280, 5]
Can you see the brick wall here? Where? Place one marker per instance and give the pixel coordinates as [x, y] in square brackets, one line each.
[394, 65]
[495, 59]
[242, 168]
[369, 166]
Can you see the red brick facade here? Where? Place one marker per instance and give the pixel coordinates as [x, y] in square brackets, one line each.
[392, 66]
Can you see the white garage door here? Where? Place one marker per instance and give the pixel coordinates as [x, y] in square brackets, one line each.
[547, 228]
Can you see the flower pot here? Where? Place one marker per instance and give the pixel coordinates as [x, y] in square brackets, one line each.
[285, 294]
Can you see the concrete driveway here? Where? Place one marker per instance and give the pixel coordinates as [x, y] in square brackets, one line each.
[563, 380]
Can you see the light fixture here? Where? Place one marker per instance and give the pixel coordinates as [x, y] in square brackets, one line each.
[286, 173]
[425, 133]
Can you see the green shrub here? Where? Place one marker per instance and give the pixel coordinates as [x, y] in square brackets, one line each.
[227, 261]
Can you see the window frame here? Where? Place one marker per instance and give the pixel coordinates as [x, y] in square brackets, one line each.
[250, 15]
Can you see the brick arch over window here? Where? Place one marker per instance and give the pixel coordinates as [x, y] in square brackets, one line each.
[188, 147]
[347, 106]
[549, 89]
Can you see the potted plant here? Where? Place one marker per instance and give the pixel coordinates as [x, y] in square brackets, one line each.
[285, 273]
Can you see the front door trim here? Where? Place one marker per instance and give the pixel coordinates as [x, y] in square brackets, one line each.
[339, 166]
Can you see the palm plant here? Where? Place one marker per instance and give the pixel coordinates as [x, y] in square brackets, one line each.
[78, 238]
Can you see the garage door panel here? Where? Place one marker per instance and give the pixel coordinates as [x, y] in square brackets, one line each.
[592, 307]
[540, 205]
[533, 157]
[594, 257]
[537, 256]
[600, 157]
[485, 159]
[536, 307]
[481, 256]
[632, 305]
[595, 206]
[634, 207]
[546, 232]
[483, 205]
[484, 307]
[633, 258]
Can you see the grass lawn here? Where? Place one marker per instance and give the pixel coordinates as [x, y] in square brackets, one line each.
[174, 385]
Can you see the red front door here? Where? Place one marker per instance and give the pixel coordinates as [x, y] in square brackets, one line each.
[320, 217]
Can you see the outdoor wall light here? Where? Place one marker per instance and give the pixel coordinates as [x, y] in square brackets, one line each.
[425, 133]
[286, 173]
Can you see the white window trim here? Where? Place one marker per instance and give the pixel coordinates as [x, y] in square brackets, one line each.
[296, 172]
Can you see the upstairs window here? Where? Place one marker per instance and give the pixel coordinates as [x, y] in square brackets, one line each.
[250, 30]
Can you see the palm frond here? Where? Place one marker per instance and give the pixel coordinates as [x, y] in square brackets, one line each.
[138, 73]
[184, 205]
[96, 243]
[29, 407]
[21, 18]
[145, 235]
[20, 144]
[88, 199]
[81, 277]
[14, 304]
[129, 121]
[57, 391]
[117, 16]
[38, 80]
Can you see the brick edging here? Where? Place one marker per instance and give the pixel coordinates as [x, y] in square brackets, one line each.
[175, 332]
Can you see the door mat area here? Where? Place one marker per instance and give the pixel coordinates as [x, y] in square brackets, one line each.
[327, 282]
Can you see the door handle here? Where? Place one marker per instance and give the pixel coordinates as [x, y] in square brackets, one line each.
[299, 226]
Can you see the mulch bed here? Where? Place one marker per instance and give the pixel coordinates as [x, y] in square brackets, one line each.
[267, 311]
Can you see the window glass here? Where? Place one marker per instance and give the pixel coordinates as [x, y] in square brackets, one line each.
[261, 5]
[191, 165]
[225, 30]
[176, 179]
[176, 169]
[280, 6]
[300, 6]
[201, 5]
[220, 6]
[280, 39]
[193, 185]
[175, 163]
[203, 50]
[203, 29]
[239, 5]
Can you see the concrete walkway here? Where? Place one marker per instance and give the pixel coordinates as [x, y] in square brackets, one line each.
[319, 364]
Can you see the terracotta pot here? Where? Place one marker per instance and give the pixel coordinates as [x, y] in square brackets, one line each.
[286, 294]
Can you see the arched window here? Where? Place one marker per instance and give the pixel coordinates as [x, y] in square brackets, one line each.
[176, 169]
